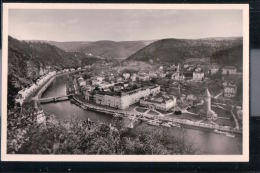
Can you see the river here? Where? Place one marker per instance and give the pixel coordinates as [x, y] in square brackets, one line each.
[66, 110]
[204, 141]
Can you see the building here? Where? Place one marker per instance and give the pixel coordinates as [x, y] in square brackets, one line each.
[186, 65]
[87, 66]
[214, 69]
[191, 99]
[86, 88]
[82, 83]
[119, 79]
[126, 76]
[198, 75]
[176, 75]
[118, 87]
[173, 67]
[100, 78]
[110, 77]
[104, 85]
[124, 98]
[80, 79]
[143, 77]
[230, 89]
[229, 70]
[187, 75]
[95, 82]
[152, 75]
[240, 114]
[163, 103]
[89, 96]
[133, 77]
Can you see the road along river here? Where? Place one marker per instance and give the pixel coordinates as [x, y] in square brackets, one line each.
[206, 142]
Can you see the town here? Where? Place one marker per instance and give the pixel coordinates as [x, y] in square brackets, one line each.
[192, 93]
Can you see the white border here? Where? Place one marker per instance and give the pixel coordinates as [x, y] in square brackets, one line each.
[244, 157]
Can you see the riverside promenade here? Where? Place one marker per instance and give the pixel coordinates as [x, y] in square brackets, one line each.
[38, 93]
[134, 116]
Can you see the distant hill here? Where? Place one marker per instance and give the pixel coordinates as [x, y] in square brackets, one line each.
[104, 49]
[178, 50]
[72, 46]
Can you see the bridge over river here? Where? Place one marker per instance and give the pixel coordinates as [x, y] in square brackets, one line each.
[54, 99]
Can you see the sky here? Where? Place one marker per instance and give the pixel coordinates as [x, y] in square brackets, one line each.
[122, 25]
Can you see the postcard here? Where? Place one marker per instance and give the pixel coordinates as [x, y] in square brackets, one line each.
[125, 82]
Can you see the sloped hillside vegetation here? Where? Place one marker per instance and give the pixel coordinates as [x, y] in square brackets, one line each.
[27, 59]
[178, 50]
[230, 56]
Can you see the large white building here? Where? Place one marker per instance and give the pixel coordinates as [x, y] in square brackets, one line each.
[143, 77]
[133, 77]
[198, 76]
[123, 100]
[214, 69]
[230, 89]
[229, 70]
[126, 75]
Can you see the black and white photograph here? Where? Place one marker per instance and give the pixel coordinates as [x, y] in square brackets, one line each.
[125, 82]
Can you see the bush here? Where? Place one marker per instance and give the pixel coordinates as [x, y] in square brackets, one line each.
[84, 137]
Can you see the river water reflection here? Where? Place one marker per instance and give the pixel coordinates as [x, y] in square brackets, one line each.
[203, 141]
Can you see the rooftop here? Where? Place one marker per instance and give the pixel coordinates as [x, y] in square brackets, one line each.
[160, 98]
[229, 67]
[130, 89]
[214, 65]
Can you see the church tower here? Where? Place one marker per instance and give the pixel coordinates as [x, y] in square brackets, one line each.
[178, 68]
[209, 112]
[177, 77]
[207, 101]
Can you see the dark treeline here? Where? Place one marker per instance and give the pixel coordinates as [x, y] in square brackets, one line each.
[25, 136]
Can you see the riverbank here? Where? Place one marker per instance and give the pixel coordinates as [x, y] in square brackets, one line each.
[38, 93]
[132, 115]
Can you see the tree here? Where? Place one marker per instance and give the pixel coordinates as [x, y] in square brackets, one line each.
[79, 137]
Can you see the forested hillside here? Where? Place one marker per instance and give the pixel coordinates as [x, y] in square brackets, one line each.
[27, 59]
[178, 50]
